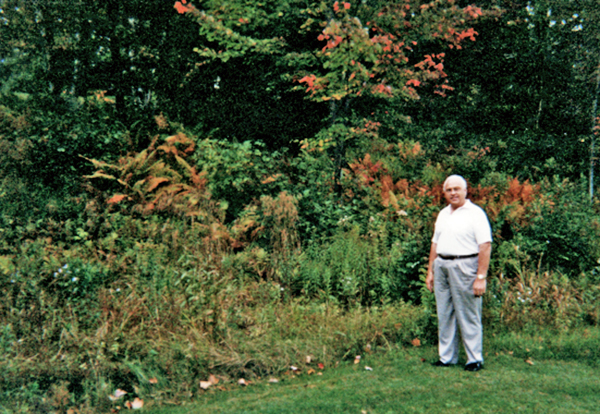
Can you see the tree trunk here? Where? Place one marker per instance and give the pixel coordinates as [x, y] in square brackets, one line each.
[593, 131]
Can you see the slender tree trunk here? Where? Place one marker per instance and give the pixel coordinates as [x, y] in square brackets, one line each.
[593, 132]
[539, 114]
[118, 61]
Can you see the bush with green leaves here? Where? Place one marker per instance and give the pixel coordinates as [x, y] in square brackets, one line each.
[352, 268]
[561, 232]
[240, 172]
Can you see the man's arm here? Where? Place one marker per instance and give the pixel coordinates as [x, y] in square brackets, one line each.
[432, 256]
[485, 252]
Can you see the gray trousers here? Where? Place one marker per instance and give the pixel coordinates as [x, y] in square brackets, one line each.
[458, 308]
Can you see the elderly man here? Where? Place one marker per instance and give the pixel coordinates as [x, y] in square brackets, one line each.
[458, 265]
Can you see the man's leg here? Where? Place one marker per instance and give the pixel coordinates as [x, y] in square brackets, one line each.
[447, 325]
[467, 307]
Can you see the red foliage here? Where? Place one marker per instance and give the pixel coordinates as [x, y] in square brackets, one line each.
[515, 202]
[181, 7]
[116, 198]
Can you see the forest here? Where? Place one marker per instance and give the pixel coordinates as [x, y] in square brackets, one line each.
[209, 187]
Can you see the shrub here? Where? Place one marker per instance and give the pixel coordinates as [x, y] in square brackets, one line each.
[351, 268]
[239, 173]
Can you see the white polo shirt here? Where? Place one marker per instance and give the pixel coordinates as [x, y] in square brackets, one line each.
[461, 233]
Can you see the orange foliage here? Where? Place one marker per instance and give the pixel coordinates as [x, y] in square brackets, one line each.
[516, 203]
[161, 121]
[116, 198]
[366, 169]
[182, 8]
[159, 179]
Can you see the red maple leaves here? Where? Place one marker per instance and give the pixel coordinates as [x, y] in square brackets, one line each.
[182, 7]
[336, 6]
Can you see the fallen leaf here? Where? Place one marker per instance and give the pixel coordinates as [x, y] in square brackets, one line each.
[117, 394]
[242, 382]
[310, 371]
[308, 359]
[368, 348]
[416, 342]
[529, 361]
[319, 373]
[137, 404]
[153, 381]
[273, 380]
[510, 352]
[213, 380]
[205, 384]
[293, 368]
[369, 368]
[320, 365]
[357, 359]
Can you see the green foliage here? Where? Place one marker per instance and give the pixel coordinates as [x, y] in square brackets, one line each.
[353, 268]
[40, 177]
[570, 227]
[239, 173]
[300, 226]
[165, 316]
[561, 232]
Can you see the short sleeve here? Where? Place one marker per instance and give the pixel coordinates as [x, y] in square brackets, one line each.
[483, 230]
[437, 227]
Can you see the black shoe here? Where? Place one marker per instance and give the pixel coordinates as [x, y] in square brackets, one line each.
[440, 364]
[474, 366]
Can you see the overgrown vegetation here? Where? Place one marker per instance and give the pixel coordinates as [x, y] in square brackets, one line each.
[173, 206]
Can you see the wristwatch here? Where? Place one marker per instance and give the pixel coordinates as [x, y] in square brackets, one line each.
[481, 277]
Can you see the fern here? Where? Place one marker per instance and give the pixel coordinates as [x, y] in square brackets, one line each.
[159, 179]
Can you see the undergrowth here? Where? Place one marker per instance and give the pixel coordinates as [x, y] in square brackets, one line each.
[148, 284]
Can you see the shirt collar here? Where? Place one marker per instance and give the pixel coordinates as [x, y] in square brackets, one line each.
[467, 205]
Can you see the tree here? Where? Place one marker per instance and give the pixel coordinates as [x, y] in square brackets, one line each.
[525, 89]
[348, 58]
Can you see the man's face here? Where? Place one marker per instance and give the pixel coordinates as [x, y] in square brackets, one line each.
[455, 192]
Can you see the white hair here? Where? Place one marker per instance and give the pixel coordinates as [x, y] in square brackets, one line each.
[459, 177]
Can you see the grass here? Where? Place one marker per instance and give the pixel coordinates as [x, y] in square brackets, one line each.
[403, 381]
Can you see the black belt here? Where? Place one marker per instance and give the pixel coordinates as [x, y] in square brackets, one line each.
[458, 257]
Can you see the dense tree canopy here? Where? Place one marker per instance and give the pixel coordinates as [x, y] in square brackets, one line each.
[335, 81]
[279, 71]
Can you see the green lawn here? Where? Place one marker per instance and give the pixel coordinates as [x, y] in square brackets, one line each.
[402, 383]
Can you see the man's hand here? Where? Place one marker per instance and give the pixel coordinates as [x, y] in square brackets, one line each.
[429, 281]
[479, 287]
[432, 256]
